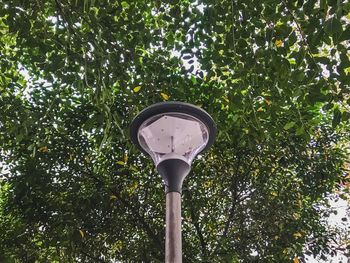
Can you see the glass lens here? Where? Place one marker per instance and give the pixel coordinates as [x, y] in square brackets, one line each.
[173, 136]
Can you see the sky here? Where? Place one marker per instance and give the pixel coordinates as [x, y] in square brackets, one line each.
[335, 220]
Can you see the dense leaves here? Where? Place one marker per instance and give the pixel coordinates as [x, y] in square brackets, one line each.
[273, 74]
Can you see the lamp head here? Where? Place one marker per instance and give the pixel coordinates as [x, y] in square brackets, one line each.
[173, 134]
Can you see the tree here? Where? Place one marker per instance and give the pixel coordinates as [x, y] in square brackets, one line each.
[273, 74]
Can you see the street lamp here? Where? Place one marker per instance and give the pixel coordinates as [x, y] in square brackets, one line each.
[173, 134]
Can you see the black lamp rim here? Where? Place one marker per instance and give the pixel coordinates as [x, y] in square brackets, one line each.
[177, 107]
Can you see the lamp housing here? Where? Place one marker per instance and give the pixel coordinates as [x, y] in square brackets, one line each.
[173, 134]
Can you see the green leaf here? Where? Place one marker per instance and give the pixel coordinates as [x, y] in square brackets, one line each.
[300, 131]
[336, 117]
[289, 125]
[345, 35]
[333, 27]
[125, 5]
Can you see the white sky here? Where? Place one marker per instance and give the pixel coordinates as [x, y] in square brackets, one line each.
[336, 221]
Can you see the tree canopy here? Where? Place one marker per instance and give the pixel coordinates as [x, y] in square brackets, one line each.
[273, 74]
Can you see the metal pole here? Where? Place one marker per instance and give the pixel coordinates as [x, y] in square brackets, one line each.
[173, 246]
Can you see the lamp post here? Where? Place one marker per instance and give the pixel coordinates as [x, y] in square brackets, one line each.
[173, 134]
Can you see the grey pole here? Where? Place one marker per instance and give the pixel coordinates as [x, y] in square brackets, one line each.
[173, 243]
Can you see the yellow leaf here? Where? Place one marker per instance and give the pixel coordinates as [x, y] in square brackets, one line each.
[113, 197]
[208, 184]
[260, 109]
[121, 163]
[131, 190]
[348, 16]
[296, 260]
[274, 194]
[133, 168]
[296, 216]
[81, 233]
[268, 102]
[279, 23]
[117, 246]
[126, 158]
[297, 235]
[137, 89]
[347, 71]
[278, 43]
[164, 96]
[225, 99]
[43, 149]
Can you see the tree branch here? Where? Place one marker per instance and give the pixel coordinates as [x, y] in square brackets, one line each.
[197, 226]
[96, 259]
[142, 222]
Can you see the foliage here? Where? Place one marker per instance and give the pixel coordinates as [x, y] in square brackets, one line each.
[274, 76]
